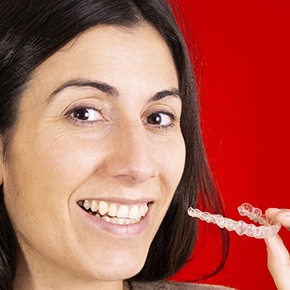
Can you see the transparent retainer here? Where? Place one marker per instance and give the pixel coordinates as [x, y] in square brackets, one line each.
[269, 227]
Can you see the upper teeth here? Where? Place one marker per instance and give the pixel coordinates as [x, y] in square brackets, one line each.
[114, 210]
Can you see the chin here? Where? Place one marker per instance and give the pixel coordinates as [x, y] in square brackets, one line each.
[120, 267]
[122, 272]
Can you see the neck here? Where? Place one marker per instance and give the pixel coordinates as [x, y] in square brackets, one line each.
[38, 277]
[40, 281]
[41, 285]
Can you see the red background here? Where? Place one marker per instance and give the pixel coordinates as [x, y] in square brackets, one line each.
[241, 51]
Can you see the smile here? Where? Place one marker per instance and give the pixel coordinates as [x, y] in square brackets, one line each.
[113, 213]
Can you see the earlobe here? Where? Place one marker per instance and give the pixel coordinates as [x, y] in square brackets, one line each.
[1, 174]
[1, 163]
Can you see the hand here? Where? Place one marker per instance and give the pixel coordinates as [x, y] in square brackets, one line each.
[278, 255]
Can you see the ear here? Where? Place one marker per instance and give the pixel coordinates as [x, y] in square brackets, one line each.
[1, 162]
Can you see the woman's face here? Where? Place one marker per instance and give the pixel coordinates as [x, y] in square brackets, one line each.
[96, 156]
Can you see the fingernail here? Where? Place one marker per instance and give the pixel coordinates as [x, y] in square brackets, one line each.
[277, 209]
[286, 213]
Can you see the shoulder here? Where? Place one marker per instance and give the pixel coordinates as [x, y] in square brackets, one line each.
[162, 285]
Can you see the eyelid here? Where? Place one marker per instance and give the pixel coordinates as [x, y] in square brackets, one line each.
[170, 108]
[80, 122]
[171, 115]
[77, 100]
[71, 110]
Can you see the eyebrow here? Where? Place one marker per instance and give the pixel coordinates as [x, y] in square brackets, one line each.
[103, 87]
[110, 90]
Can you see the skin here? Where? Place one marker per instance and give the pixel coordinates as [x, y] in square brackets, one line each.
[278, 255]
[55, 160]
[120, 155]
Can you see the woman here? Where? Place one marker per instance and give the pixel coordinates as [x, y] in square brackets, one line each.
[101, 147]
[96, 98]
[278, 256]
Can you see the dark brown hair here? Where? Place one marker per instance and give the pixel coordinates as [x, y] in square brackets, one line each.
[30, 32]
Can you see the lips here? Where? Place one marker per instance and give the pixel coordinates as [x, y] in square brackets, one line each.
[120, 214]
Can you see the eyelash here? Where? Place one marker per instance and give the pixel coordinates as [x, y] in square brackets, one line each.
[164, 127]
[83, 122]
[74, 120]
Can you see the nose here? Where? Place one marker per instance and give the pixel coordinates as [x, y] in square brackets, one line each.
[131, 158]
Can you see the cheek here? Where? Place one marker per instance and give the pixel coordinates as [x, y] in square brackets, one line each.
[42, 175]
[173, 160]
[64, 163]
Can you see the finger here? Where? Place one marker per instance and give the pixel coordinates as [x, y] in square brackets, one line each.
[277, 252]
[281, 215]
[271, 212]
[278, 262]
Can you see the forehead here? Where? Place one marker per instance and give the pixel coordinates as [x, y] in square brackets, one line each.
[111, 54]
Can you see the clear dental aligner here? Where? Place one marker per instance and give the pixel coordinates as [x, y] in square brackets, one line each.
[268, 229]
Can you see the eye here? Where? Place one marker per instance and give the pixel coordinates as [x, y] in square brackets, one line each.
[84, 114]
[161, 119]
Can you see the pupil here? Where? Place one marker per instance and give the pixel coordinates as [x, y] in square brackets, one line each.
[154, 119]
[81, 114]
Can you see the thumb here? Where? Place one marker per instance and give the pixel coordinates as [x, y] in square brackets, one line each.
[278, 262]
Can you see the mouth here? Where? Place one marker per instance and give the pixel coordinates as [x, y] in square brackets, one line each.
[119, 214]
